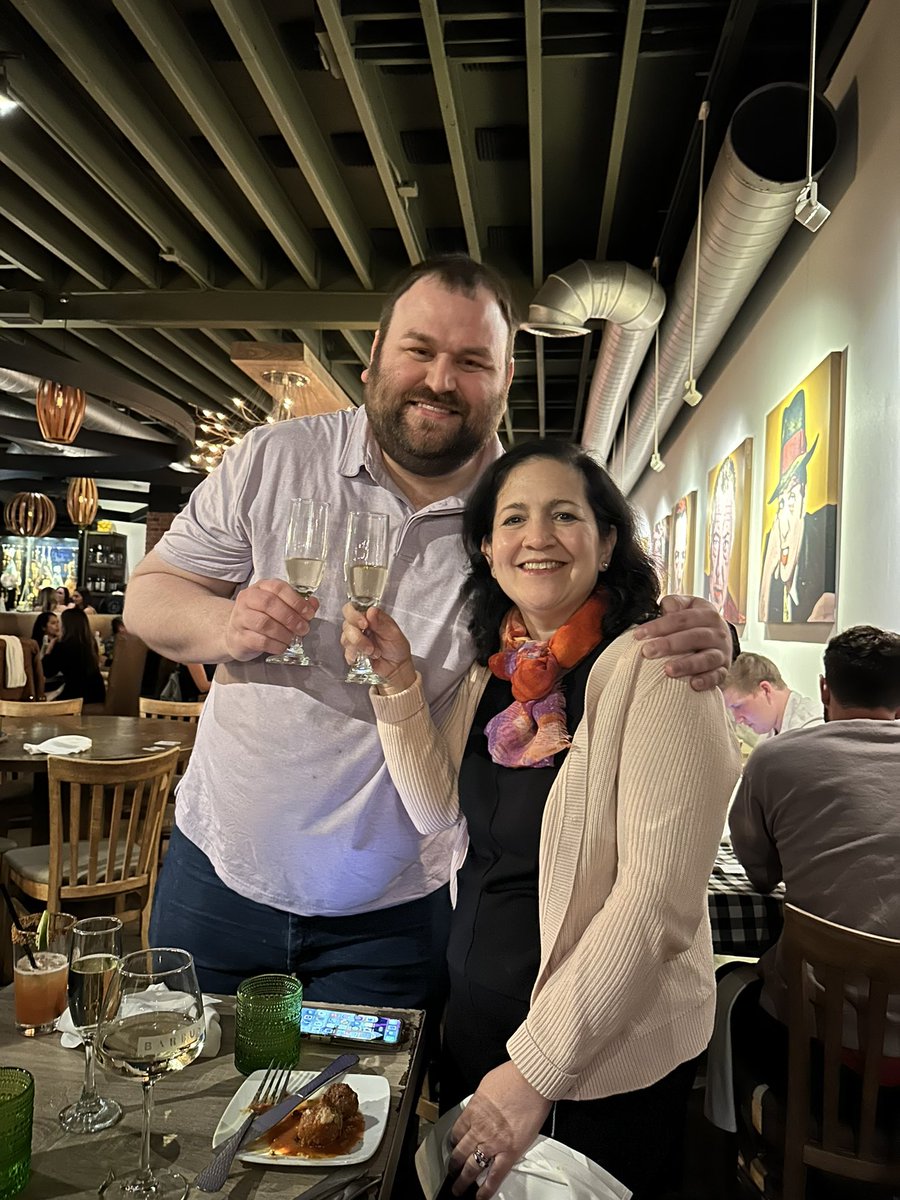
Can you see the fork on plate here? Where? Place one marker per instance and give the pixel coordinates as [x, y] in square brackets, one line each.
[272, 1087]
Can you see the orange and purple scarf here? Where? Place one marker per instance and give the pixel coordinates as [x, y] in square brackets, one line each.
[533, 728]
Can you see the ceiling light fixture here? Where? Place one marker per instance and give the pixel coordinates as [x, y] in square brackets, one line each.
[692, 395]
[59, 408]
[82, 499]
[30, 514]
[808, 211]
[8, 102]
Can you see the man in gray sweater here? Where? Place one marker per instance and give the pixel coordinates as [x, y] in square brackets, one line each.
[819, 808]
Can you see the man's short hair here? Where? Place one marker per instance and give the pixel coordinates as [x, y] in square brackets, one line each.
[456, 273]
[862, 667]
[748, 671]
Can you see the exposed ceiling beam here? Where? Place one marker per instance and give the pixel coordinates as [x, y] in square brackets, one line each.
[359, 343]
[197, 348]
[534, 84]
[364, 86]
[40, 220]
[187, 72]
[161, 351]
[59, 112]
[103, 70]
[450, 114]
[253, 311]
[29, 256]
[112, 344]
[275, 77]
[43, 166]
[507, 421]
[63, 465]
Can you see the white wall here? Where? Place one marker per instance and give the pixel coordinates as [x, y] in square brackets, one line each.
[134, 548]
[844, 293]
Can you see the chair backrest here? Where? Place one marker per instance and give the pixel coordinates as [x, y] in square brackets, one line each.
[105, 822]
[178, 710]
[42, 709]
[123, 688]
[827, 966]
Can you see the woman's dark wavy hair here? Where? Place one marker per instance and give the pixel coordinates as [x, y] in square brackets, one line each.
[631, 580]
[76, 631]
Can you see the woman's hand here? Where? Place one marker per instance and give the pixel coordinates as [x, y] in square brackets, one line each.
[379, 636]
[501, 1120]
[691, 629]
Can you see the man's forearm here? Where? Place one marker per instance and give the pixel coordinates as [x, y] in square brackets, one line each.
[179, 618]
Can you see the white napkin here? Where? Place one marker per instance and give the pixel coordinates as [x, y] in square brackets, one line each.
[71, 744]
[151, 999]
[548, 1170]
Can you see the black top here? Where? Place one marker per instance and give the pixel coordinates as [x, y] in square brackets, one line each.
[494, 935]
[79, 669]
[189, 689]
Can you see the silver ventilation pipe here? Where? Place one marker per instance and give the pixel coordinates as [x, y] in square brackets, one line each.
[98, 417]
[632, 304]
[747, 209]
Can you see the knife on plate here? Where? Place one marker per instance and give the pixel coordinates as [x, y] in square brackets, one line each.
[212, 1177]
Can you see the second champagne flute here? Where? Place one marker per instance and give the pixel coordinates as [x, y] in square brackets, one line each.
[304, 564]
[96, 947]
[366, 569]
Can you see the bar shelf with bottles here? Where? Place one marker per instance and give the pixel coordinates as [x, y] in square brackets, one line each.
[104, 563]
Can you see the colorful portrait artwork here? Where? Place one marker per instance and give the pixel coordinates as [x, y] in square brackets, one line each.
[659, 548]
[726, 544]
[681, 548]
[801, 495]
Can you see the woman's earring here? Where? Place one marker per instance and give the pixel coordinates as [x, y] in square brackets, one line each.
[604, 565]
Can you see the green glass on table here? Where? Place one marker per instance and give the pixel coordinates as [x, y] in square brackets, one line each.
[267, 1022]
[16, 1113]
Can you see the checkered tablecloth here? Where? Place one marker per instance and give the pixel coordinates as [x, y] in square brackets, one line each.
[743, 921]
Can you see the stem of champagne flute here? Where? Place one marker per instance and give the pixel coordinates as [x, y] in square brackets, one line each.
[145, 1174]
[89, 1090]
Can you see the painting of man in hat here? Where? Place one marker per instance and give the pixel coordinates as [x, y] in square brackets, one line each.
[727, 547]
[802, 479]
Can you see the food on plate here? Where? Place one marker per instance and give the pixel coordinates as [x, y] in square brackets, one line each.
[322, 1128]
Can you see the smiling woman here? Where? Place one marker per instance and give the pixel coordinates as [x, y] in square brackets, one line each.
[588, 790]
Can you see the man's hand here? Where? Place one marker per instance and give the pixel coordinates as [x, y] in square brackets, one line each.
[379, 636]
[501, 1120]
[691, 629]
[265, 618]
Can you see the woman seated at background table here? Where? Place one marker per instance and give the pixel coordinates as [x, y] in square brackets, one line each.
[46, 600]
[589, 789]
[63, 599]
[76, 659]
[45, 631]
[81, 598]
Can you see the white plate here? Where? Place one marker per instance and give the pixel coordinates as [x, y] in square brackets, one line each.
[374, 1103]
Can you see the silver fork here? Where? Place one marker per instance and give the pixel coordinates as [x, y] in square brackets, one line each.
[272, 1087]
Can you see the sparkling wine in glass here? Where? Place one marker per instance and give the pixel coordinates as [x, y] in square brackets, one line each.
[93, 960]
[304, 564]
[366, 571]
[151, 1023]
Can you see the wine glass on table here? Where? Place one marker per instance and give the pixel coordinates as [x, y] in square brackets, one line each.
[93, 959]
[151, 1023]
[304, 564]
[366, 571]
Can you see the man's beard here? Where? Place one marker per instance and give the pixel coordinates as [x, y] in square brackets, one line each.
[434, 452]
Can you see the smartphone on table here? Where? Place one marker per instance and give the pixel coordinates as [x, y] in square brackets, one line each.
[346, 1028]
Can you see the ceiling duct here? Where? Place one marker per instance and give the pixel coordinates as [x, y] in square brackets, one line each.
[98, 417]
[747, 209]
[631, 302]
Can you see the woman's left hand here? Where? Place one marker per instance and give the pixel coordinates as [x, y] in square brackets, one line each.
[501, 1120]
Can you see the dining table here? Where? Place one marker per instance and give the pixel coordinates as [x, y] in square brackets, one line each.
[745, 922]
[111, 738]
[186, 1110]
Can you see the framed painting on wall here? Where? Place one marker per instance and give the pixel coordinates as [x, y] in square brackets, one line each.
[659, 548]
[681, 551]
[801, 478]
[726, 545]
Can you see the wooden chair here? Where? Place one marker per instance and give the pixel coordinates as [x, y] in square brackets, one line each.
[176, 710]
[105, 823]
[817, 952]
[42, 708]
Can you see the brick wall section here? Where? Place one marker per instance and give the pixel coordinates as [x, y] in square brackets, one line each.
[157, 524]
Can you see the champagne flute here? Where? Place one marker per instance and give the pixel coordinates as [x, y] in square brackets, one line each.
[94, 957]
[151, 1022]
[366, 571]
[304, 564]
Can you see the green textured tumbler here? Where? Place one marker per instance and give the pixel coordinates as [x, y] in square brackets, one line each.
[16, 1112]
[267, 1022]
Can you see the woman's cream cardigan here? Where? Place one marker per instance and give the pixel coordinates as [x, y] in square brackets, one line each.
[625, 990]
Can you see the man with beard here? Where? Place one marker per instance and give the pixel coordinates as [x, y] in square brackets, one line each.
[292, 851]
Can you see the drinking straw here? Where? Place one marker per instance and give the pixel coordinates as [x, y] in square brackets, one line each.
[7, 899]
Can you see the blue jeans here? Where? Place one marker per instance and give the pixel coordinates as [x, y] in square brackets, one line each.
[394, 957]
